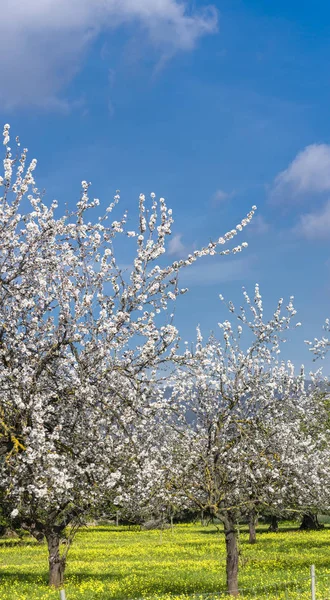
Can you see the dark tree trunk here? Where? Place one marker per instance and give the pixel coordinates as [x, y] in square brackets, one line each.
[56, 562]
[252, 527]
[231, 555]
[35, 529]
[310, 521]
[273, 527]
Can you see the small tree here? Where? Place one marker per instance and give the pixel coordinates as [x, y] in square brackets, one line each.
[241, 445]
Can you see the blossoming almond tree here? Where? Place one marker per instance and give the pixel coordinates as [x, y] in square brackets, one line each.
[320, 407]
[81, 344]
[147, 493]
[240, 440]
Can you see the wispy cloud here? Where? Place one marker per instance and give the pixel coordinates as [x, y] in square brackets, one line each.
[217, 271]
[308, 173]
[315, 225]
[220, 197]
[43, 42]
[258, 226]
[176, 246]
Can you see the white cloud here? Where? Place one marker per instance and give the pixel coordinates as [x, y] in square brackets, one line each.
[309, 173]
[220, 196]
[315, 226]
[43, 42]
[176, 247]
[258, 225]
[213, 272]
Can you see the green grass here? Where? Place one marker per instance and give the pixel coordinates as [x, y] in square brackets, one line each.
[115, 563]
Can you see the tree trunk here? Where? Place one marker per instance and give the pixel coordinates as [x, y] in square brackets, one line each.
[252, 527]
[310, 521]
[56, 562]
[273, 527]
[35, 529]
[231, 555]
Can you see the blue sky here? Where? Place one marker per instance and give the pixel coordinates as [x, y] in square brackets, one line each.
[216, 107]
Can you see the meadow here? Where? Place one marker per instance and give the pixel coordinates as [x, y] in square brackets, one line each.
[108, 562]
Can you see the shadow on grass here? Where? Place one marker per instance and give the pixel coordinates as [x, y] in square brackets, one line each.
[15, 543]
[109, 529]
[42, 577]
[301, 540]
[24, 577]
[262, 530]
[151, 588]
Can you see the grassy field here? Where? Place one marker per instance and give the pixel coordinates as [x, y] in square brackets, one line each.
[115, 563]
